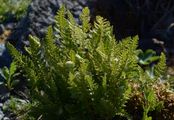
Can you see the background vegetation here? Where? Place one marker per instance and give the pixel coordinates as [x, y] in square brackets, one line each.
[13, 9]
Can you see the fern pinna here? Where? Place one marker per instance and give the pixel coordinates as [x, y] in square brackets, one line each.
[85, 76]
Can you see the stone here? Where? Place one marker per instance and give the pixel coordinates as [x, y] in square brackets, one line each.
[1, 29]
[5, 58]
[1, 115]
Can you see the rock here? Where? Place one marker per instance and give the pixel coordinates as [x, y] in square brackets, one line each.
[1, 115]
[2, 48]
[5, 58]
[6, 118]
[10, 26]
[1, 105]
[1, 28]
[4, 94]
[5, 32]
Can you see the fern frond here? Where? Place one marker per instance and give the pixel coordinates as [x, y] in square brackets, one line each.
[49, 40]
[134, 42]
[101, 32]
[160, 68]
[71, 18]
[61, 23]
[85, 19]
[60, 18]
[34, 44]
[14, 52]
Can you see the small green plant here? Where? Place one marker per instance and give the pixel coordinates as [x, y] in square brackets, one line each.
[148, 80]
[9, 75]
[151, 103]
[147, 61]
[86, 76]
[147, 57]
[16, 8]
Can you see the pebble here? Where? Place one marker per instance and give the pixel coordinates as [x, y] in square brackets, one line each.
[2, 49]
[6, 118]
[1, 115]
[1, 28]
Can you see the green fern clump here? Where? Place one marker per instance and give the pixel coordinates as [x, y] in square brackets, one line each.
[17, 8]
[84, 77]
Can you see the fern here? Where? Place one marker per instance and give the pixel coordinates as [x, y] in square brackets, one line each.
[160, 68]
[85, 19]
[86, 76]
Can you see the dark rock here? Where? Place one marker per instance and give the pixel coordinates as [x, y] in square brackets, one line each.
[4, 93]
[1, 28]
[6, 118]
[1, 115]
[5, 58]
[10, 26]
